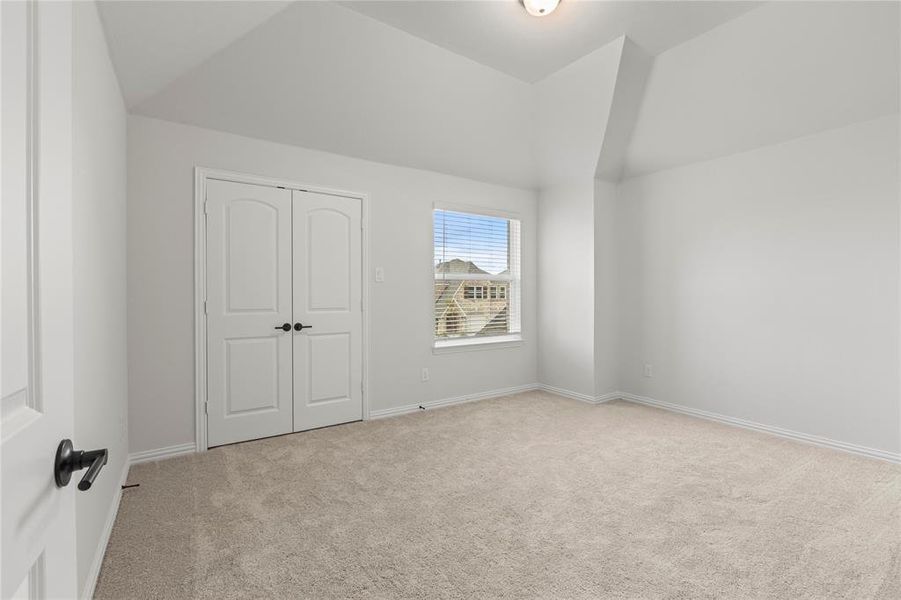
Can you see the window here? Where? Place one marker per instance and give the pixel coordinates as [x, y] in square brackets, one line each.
[498, 292]
[477, 278]
[473, 292]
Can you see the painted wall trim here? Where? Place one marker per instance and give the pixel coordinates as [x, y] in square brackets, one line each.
[410, 408]
[608, 397]
[578, 395]
[94, 573]
[816, 440]
[188, 448]
[161, 453]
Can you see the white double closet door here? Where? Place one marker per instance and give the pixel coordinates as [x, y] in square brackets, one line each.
[279, 259]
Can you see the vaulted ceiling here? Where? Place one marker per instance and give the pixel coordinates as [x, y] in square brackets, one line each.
[786, 70]
[503, 36]
[153, 43]
[321, 76]
[460, 87]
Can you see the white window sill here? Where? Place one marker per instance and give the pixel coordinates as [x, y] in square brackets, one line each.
[485, 343]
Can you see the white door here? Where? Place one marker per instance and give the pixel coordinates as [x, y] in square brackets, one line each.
[36, 361]
[328, 367]
[248, 302]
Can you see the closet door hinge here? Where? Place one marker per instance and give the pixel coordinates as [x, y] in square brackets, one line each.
[204, 307]
[204, 207]
[206, 409]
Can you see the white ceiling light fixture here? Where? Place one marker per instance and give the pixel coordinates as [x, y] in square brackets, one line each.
[540, 8]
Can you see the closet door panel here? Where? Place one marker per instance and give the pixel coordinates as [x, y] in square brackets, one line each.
[249, 360]
[328, 303]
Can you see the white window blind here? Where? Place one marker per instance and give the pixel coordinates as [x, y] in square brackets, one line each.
[477, 276]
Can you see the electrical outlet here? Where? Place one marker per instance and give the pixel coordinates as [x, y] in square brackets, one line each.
[379, 274]
[648, 370]
[425, 375]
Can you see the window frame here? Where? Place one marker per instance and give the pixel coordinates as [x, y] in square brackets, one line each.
[512, 283]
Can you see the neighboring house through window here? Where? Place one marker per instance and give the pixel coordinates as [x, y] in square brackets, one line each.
[477, 277]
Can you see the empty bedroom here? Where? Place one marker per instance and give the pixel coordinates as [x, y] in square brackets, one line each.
[448, 299]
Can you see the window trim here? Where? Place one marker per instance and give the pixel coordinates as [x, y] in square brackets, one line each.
[470, 276]
[476, 210]
[511, 340]
[466, 344]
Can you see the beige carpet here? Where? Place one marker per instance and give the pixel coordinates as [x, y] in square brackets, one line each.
[529, 496]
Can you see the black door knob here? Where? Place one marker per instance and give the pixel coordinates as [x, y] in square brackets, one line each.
[285, 327]
[69, 460]
[301, 327]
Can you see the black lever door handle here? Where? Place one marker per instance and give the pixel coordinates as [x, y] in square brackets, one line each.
[301, 327]
[285, 327]
[69, 460]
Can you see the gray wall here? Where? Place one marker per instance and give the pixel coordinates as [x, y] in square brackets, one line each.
[606, 283]
[161, 160]
[572, 108]
[764, 285]
[757, 236]
[99, 278]
[566, 288]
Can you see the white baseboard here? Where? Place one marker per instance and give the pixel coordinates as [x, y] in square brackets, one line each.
[410, 408]
[778, 431]
[579, 396]
[161, 453]
[608, 397]
[94, 573]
